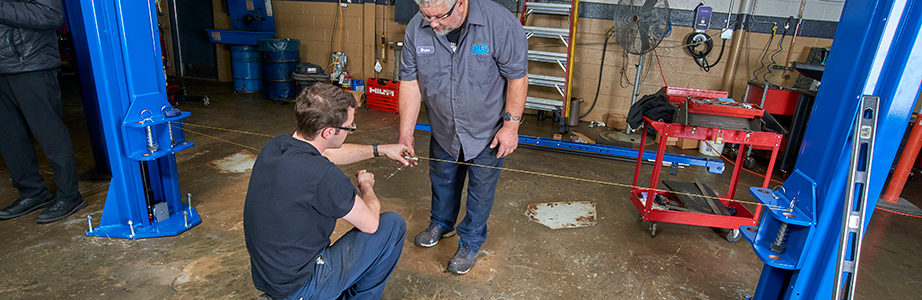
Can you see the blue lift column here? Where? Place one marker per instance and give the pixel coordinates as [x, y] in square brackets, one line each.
[877, 51]
[120, 41]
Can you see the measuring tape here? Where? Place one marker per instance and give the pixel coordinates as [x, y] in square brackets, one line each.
[484, 166]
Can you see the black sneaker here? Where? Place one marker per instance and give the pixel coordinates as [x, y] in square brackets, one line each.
[432, 234]
[60, 209]
[463, 260]
[24, 206]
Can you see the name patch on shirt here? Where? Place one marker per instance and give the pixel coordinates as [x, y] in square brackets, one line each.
[425, 50]
[480, 49]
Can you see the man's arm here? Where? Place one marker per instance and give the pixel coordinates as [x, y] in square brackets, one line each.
[36, 15]
[507, 138]
[350, 153]
[366, 211]
[410, 99]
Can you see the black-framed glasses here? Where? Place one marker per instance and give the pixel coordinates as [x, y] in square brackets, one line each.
[442, 17]
[352, 128]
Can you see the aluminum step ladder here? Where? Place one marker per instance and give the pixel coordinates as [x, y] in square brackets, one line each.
[558, 106]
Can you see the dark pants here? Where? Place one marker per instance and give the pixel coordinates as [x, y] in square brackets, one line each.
[358, 264]
[31, 102]
[447, 184]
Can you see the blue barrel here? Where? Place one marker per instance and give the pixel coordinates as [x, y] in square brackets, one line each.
[245, 69]
[280, 57]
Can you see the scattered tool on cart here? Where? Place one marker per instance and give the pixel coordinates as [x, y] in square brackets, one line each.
[707, 116]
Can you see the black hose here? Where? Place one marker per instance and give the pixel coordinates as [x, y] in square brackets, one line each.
[701, 57]
[611, 32]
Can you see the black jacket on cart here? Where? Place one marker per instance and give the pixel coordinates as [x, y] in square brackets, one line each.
[28, 41]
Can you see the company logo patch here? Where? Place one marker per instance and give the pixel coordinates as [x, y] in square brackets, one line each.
[425, 50]
[381, 91]
[480, 49]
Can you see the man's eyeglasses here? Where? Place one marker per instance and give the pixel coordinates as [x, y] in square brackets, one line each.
[349, 129]
[442, 17]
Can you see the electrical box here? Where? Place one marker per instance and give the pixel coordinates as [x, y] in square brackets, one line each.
[703, 18]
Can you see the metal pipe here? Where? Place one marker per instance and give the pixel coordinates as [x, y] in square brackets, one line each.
[800, 20]
[634, 93]
[904, 166]
[736, 44]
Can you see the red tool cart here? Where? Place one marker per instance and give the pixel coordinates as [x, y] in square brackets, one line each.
[725, 214]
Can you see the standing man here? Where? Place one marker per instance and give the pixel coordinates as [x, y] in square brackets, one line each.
[467, 60]
[295, 196]
[30, 101]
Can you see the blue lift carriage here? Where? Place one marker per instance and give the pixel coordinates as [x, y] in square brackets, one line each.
[877, 51]
[119, 40]
[875, 45]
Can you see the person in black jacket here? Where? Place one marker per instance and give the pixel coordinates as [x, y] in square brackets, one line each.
[30, 101]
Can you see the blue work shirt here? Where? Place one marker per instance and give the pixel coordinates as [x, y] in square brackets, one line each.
[465, 90]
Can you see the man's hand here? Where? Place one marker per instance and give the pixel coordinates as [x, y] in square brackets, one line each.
[366, 181]
[407, 140]
[507, 138]
[397, 153]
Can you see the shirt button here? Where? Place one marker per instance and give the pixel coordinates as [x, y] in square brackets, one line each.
[452, 78]
[454, 58]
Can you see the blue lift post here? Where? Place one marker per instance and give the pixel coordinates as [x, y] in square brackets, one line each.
[877, 51]
[714, 166]
[120, 41]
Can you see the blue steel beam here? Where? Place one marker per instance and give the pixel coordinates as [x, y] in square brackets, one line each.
[877, 51]
[715, 166]
[119, 40]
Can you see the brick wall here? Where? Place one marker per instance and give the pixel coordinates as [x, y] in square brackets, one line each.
[312, 23]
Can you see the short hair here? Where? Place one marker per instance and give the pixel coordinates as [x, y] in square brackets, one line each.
[428, 3]
[320, 106]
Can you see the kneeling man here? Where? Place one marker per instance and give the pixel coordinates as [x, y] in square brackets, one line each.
[295, 196]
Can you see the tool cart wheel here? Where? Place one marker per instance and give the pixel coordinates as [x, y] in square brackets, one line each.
[652, 229]
[733, 235]
[749, 162]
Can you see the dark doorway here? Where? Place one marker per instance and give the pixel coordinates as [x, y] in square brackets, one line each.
[193, 51]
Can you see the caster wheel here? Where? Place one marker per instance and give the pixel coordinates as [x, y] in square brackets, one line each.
[749, 163]
[652, 229]
[733, 235]
[206, 100]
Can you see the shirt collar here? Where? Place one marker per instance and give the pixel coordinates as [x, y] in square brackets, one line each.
[474, 14]
[302, 145]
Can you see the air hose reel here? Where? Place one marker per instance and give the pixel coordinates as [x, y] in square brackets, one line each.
[699, 45]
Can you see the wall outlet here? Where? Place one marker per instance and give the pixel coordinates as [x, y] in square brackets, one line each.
[726, 33]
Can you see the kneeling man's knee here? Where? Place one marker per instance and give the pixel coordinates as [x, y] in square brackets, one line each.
[391, 221]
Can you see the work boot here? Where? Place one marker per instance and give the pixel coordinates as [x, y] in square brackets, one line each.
[432, 234]
[60, 209]
[26, 205]
[463, 260]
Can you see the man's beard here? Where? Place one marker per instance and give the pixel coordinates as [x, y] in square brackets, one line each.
[445, 31]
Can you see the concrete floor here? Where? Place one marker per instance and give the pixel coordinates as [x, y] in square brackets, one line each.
[615, 259]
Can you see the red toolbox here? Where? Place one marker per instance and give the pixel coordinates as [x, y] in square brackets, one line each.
[776, 100]
[677, 94]
[381, 94]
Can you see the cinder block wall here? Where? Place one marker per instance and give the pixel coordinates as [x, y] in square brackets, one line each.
[312, 22]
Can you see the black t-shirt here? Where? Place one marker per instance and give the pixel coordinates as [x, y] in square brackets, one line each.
[454, 35]
[293, 201]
